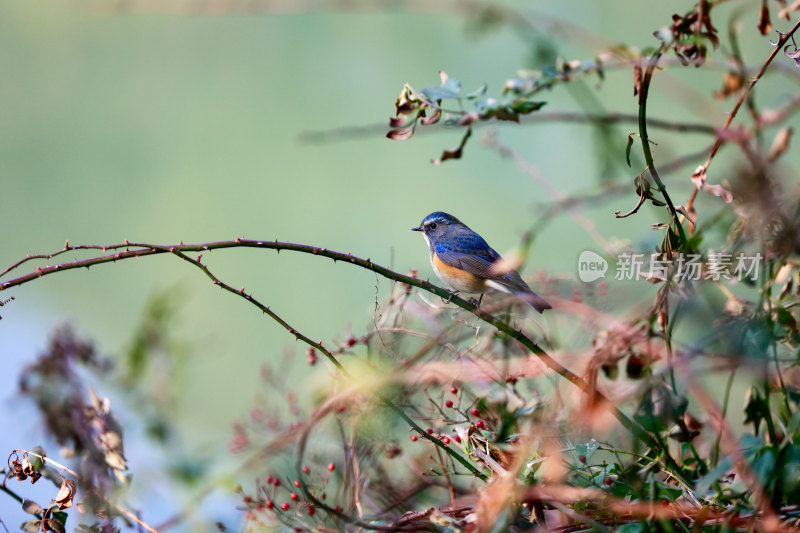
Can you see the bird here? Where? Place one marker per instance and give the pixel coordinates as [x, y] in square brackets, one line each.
[464, 262]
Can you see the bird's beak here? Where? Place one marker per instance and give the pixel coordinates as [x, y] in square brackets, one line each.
[417, 229]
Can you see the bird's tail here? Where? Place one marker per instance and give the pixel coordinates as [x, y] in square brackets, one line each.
[534, 300]
[518, 287]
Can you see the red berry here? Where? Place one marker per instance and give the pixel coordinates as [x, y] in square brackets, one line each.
[269, 480]
[284, 506]
[311, 510]
[457, 439]
[479, 424]
[430, 431]
[270, 504]
[340, 408]
[608, 481]
[247, 499]
[446, 441]
[448, 403]
[413, 438]
[454, 390]
[276, 482]
[297, 483]
[306, 470]
[331, 467]
[351, 341]
[582, 458]
[337, 508]
[475, 412]
[293, 496]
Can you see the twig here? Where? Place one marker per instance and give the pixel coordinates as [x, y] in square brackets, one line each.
[119, 508]
[489, 140]
[317, 345]
[648, 154]
[375, 130]
[778, 47]
[143, 249]
[729, 441]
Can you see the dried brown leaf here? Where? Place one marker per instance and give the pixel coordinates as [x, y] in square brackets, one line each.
[637, 81]
[401, 134]
[454, 153]
[721, 192]
[468, 119]
[764, 24]
[27, 467]
[66, 494]
[784, 13]
[115, 460]
[731, 82]
[51, 524]
[31, 507]
[780, 143]
[433, 119]
[16, 469]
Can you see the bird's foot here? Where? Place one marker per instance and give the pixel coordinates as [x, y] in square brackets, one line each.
[452, 293]
[476, 302]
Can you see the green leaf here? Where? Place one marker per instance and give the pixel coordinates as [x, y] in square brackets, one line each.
[453, 85]
[480, 91]
[439, 93]
[586, 449]
[486, 105]
[526, 107]
[668, 492]
[764, 466]
[705, 482]
[633, 527]
[794, 424]
[628, 149]
[756, 408]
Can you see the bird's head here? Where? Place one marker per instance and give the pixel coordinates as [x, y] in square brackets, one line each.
[436, 225]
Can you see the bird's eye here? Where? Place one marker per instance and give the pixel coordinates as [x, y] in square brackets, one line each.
[432, 225]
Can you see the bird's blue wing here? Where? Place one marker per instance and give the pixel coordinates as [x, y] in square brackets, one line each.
[470, 253]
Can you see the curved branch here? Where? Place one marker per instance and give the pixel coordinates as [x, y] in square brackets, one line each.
[721, 134]
[648, 154]
[144, 249]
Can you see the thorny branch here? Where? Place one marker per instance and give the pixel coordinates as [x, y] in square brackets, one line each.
[134, 249]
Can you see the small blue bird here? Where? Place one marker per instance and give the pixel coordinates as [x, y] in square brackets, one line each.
[464, 262]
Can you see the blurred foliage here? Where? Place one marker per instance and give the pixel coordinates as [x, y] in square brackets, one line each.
[488, 438]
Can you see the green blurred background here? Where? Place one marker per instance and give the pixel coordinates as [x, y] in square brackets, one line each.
[161, 123]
